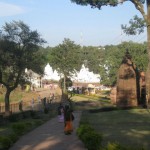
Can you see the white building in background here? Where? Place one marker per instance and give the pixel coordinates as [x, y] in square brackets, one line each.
[84, 75]
[49, 74]
[33, 77]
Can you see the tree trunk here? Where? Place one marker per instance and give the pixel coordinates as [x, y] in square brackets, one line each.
[148, 50]
[64, 84]
[7, 107]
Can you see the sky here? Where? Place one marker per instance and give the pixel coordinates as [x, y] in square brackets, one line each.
[59, 19]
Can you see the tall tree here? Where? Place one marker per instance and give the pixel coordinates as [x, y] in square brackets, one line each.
[91, 57]
[18, 50]
[113, 56]
[139, 5]
[65, 59]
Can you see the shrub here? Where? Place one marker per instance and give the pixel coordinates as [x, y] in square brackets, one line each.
[26, 114]
[28, 125]
[5, 142]
[13, 137]
[15, 117]
[32, 113]
[84, 128]
[90, 138]
[19, 128]
[38, 122]
[46, 110]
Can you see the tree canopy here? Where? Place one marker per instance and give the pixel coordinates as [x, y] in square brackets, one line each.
[113, 56]
[91, 57]
[18, 50]
[65, 58]
[136, 25]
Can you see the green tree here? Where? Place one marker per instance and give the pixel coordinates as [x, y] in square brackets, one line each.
[65, 59]
[110, 64]
[139, 5]
[113, 56]
[91, 57]
[18, 50]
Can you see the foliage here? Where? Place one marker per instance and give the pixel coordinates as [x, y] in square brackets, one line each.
[83, 129]
[113, 56]
[137, 26]
[13, 137]
[110, 64]
[5, 142]
[46, 110]
[122, 126]
[19, 128]
[138, 53]
[96, 3]
[15, 117]
[65, 58]
[91, 57]
[89, 136]
[18, 50]
[68, 82]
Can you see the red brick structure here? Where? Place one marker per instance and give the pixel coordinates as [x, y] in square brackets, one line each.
[143, 100]
[127, 95]
[113, 95]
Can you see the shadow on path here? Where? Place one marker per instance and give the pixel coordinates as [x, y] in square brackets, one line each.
[50, 136]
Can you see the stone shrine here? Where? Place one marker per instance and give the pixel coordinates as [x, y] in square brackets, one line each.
[126, 89]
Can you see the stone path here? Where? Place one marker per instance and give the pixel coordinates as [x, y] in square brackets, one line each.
[50, 136]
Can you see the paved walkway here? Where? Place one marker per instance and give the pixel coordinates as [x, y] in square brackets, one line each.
[50, 136]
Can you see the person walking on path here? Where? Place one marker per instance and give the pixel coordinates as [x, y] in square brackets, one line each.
[39, 103]
[60, 113]
[68, 120]
[32, 104]
[50, 136]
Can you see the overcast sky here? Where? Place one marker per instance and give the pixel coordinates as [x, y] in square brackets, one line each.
[59, 19]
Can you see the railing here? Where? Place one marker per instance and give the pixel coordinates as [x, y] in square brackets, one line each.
[27, 105]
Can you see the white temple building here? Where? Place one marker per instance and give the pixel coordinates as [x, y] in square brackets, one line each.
[50, 74]
[84, 75]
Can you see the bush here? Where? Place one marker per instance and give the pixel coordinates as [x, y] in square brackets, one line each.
[26, 114]
[90, 138]
[5, 142]
[13, 137]
[84, 128]
[38, 122]
[15, 117]
[46, 110]
[19, 128]
[32, 113]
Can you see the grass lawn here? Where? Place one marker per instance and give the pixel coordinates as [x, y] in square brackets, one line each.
[17, 95]
[127, 127]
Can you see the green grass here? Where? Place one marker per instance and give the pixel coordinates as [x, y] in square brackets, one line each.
[85, 102]
[128, 127]
[17, 95]
[33, 122]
